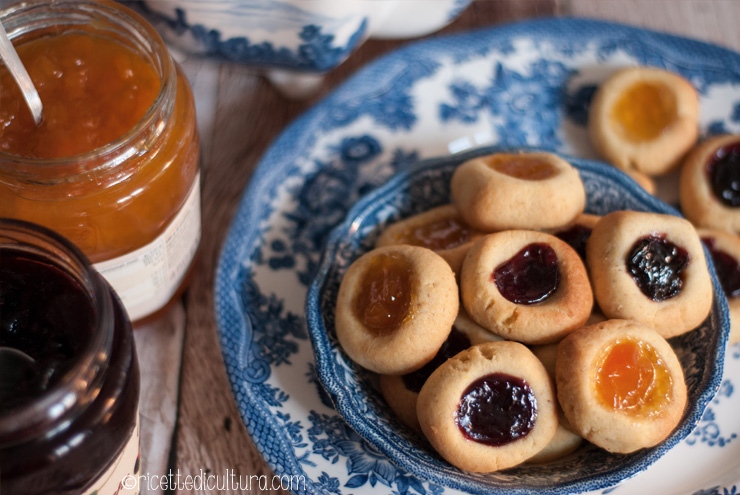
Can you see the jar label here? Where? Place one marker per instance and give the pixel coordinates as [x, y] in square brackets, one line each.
[122, 476]
[147, 278]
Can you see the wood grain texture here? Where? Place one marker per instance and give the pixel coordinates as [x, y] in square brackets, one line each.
[159, 349]
[715, 21]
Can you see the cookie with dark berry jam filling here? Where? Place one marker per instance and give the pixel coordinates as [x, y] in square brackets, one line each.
[526, 286]
[724, 249]
[488, 408]
[710, 184]
[650, 267]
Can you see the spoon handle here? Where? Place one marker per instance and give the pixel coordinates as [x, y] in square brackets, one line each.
[19, 73]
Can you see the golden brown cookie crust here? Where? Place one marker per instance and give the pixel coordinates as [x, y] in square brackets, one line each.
[657, 155]
[476, 333]
[440, 396]
[434, 307]
[401, 232]
[728, 243]
[540, 323]
[698, 201]
[401, 400]
[617, 293]
[584, 219]
[565, 440]
[492, 200]
[614, 430]
[643, 180]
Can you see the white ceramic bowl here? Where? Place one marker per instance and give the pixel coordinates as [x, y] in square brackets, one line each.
[700, 351]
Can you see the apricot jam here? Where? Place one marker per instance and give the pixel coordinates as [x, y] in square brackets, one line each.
[723, 169]
[632, 378]
[384, 300]
[520, 167]
[441, 234]
[644, 110]
[497, 409]
[114, 164]
[530, 276]
[70, 423]
[94, 90]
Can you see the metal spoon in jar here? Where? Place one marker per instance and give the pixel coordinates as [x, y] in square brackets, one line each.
[20, 74]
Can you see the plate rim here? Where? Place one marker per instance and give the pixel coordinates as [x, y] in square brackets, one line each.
[321, 342]
[244, 228]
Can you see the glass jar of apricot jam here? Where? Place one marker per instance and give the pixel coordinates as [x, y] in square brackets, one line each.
[114, 164]
[69, 378]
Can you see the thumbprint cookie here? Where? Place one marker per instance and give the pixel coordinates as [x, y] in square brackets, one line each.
[565, 440]
[526, 286]
[488, 408]
[620, 385]
[519, 190]
[401, 392]
[650, 267]
[440, 229]
[644, 119]
[709, 185]
[724, 249]
[395, 308]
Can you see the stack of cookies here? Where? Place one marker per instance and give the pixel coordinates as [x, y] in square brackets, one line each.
[509, 325]
[644, 121]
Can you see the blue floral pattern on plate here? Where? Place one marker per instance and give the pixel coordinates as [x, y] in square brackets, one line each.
[521, 84]
[424, 185]
[316, 50]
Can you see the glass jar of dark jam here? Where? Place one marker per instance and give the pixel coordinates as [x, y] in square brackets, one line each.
[69, 378]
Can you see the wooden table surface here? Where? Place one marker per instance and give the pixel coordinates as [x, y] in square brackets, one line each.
[189, 419]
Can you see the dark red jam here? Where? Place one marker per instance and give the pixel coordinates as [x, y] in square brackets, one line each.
[576, 237]
[497, 409]
[456, 342]
[724, 174]
[657, 266]
[45, 314]
[727, 267]
[64, 445]
[530, 276]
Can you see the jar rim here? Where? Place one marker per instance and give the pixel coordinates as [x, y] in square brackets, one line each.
[86, 373]
[79, 11]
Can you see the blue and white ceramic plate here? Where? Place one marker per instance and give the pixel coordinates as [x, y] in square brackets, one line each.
[353, 391]
[521, 84]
